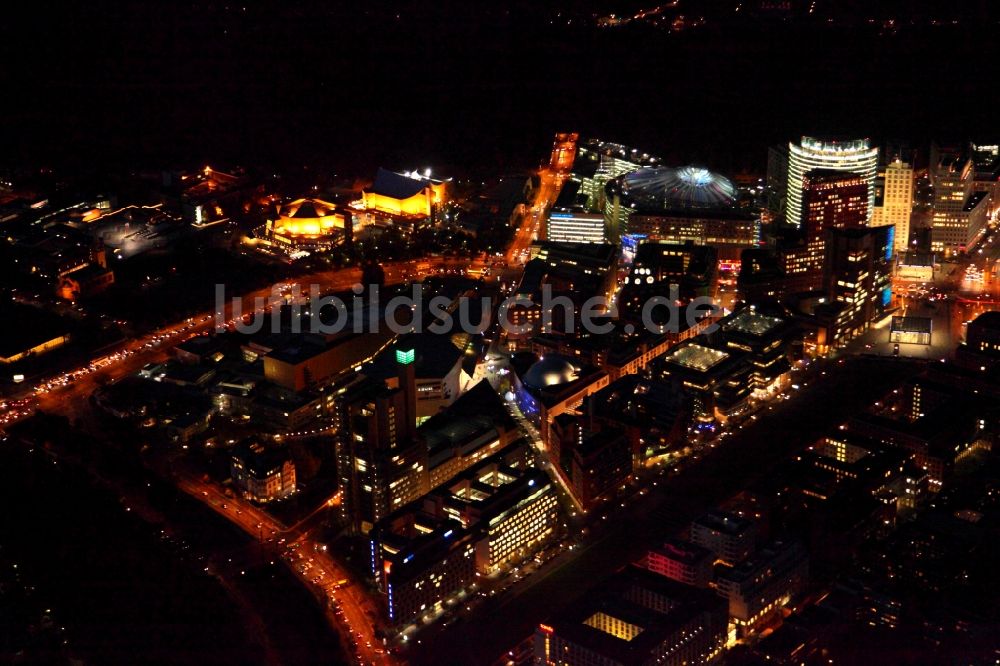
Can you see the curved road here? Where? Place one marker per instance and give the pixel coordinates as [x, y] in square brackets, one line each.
[350, 612]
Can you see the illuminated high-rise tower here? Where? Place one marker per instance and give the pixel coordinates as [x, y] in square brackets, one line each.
[897, 201]
[854, 156]
[831, 200]
[381, 463]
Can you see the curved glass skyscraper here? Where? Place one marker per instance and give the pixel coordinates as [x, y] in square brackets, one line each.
[855, 156]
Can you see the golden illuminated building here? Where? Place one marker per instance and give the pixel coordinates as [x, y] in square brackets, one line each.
[635, 617]
[84, 281]
[409, 194]
[32, 332]
[610, 624]
[897, 202]
[309, 224]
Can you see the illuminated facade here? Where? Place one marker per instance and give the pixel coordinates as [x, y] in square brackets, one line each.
[599, 161]
[760, 586]
[471, 429]
[682, 561]
[830, 200]
[40, 348]
[718, 382]
[856, 288]
[406, 195]
[658, 267]
[34, 333]
[575, 227]
[635, 617]
[481, 522]
[915, 267]
[959, 213]
[857, 279]
[309, 225]
[381, 464]
[419, 561]
[897, 201]
[516, 530]
[678, 205]
[801, 267]
[986, 161]
[729, 233]
[598, 464]
[553, 386]
[730, 537]
[855, 156]
[262, 474]
[767, 340]
[910, 330]
[84, 282]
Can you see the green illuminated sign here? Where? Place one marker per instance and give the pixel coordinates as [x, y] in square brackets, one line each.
[404, 357]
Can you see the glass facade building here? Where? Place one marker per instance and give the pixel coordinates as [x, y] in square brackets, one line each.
[854, 156]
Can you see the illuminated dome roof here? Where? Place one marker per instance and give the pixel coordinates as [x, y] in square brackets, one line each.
[308, 217]
[667, 188]
[550, 371]
[305, 209]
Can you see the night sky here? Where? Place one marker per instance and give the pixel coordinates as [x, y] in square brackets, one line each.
[334, 85]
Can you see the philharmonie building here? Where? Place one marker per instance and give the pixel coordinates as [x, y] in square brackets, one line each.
[304, 226]
[678, 205]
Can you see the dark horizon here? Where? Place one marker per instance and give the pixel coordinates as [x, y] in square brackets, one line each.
[144, 87]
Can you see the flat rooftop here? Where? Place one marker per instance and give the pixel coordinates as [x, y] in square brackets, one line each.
[911, 324]
[774, 558]
[629, 616]
[697, 357]
[752, 323]
[990, 319]
[724, 522]
[684, 551]
[586, 255]
[911, 258]
[435, 356]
